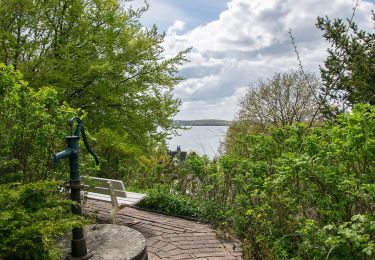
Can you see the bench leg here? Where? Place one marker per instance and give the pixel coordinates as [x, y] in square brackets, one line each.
[114, 215]
[115, 206]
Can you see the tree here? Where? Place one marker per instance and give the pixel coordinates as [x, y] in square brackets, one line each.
[100, 59]
[284, 99]
[348, 73]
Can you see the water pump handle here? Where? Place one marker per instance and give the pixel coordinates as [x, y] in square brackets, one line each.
[81, 130]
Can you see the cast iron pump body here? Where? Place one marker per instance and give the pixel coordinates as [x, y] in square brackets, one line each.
[79, 249]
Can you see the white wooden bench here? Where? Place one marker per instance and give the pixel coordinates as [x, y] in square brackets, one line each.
[112, 191]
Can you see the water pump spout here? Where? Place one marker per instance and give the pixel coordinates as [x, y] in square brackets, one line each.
[64, 154]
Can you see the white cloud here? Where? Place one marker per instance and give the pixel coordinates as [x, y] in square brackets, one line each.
[177, 26]
[250, 40]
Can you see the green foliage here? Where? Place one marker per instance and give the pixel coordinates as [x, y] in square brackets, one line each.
[353, 239]
[99, 58]
[116, 153]
[159, 199]
[236, 128]
[32, 216]
[348, 73]
[30, 128]
[299, 176]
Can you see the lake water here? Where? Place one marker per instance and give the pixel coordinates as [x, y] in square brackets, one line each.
[201, 139]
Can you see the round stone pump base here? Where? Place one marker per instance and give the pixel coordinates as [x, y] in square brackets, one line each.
[110, 242]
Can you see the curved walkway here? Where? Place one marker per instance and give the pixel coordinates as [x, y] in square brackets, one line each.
[171, 237]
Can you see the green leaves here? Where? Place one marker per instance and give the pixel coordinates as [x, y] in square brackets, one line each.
[32, 216]
[351, 239]
[321, 178]
[348, 73]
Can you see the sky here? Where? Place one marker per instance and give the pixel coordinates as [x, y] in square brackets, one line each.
[237, 42]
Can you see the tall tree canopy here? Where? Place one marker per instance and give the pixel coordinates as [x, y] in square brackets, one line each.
[99, 58]
[279, 101]
[349, 70]
[284, 99]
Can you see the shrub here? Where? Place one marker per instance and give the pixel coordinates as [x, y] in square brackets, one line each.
[160, 199]
[32, 216]
[309, 193]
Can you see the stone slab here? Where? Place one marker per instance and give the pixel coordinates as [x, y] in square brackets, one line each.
[111, 242]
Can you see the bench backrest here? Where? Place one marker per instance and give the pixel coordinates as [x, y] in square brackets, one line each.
[100, 185]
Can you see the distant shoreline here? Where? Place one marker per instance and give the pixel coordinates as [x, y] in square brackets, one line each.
[203, 122]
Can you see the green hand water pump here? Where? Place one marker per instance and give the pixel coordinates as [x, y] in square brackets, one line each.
[78, 245]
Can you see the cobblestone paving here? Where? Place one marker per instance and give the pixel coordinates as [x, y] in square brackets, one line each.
[170, 237]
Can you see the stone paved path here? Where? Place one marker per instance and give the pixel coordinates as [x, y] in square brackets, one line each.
[170, 237]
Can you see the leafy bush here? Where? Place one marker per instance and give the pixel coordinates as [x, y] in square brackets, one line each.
[31, 217]
[300, 179]
[160, 199]
[353, 239]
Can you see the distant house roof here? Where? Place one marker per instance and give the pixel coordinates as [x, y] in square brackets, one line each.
[181, 155]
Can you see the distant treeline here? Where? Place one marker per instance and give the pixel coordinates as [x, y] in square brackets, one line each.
[203, 122]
